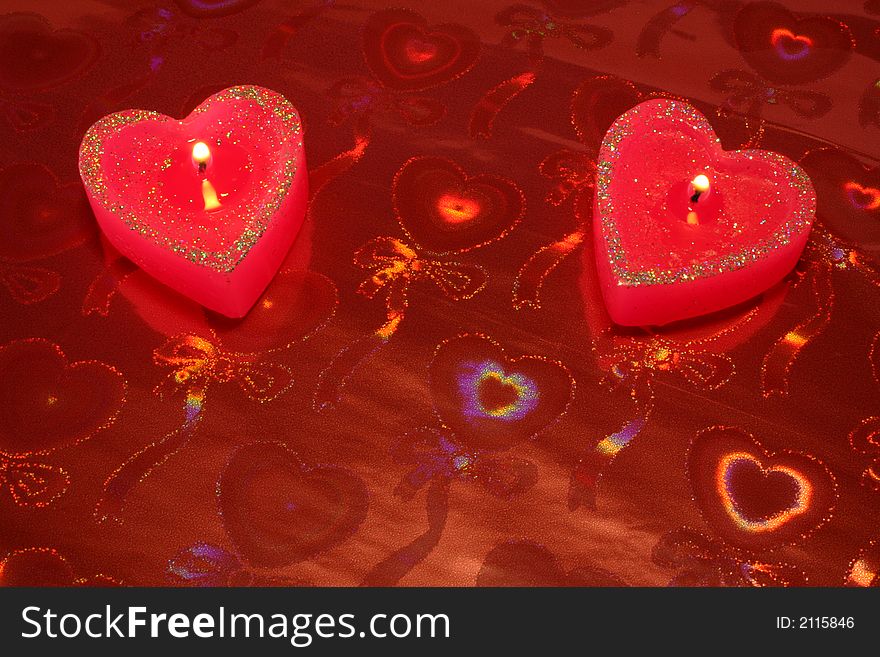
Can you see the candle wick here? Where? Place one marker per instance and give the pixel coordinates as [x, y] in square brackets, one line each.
[699, 185]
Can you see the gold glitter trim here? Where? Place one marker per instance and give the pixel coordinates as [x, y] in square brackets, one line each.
[256, 222]
[689, 116]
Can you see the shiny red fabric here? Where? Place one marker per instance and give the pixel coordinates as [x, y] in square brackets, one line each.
[415, 405]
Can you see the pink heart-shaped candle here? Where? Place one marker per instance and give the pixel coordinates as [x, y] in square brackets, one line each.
[684, 228]
[208, 205]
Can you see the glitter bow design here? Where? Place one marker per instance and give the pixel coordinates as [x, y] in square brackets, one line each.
[747, 93]
[532, 26]
[195, 363]
[361, 96]
[204, 564]
[436, 456]
[570, 171]
[26, 284]
[705, 561]
[394, 265]
[632, 367]
[705, 370]
[32, 484]
[438, 461]
[24, 115]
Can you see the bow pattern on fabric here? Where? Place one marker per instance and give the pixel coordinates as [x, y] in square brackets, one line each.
[196, 362]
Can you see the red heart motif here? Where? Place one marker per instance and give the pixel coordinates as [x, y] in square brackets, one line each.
[523, 563]
[277, 511]
[49, 402]
[404, 53]
[33, 56]
[490, 401]
[39, 217]
[752, 498]
[444, 210]
[223, 261]
[214, 8]
[768, 209]
[848, 195]
[788, 50]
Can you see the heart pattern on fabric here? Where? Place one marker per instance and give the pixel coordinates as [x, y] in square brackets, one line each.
[848, 195]
[523, 563]
[752, 498]
[39, 217]
[788, 50]
[48, 402]
[406, 54]
[490, 401]
[444, 210]
[278, 511]
[33, 56]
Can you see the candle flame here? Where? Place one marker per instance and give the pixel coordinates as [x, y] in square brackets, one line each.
[201, 155]
[701, 183]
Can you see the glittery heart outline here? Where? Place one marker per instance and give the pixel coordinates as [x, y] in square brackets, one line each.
[609, 154]
[339, 528]
[77, 220]
[526, 563]
[38, 27]
[92, 149]
[65, 366]
[376, 32]
[705, 466]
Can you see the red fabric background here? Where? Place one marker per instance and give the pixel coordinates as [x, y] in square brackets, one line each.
[386, 483]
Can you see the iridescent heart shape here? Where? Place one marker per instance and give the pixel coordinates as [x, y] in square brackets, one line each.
[755, 499]
[490, 401]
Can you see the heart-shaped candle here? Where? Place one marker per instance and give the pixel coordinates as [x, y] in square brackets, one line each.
[208, 205]
[684, 228]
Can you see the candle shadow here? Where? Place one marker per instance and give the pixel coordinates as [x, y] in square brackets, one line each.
[170, 313]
